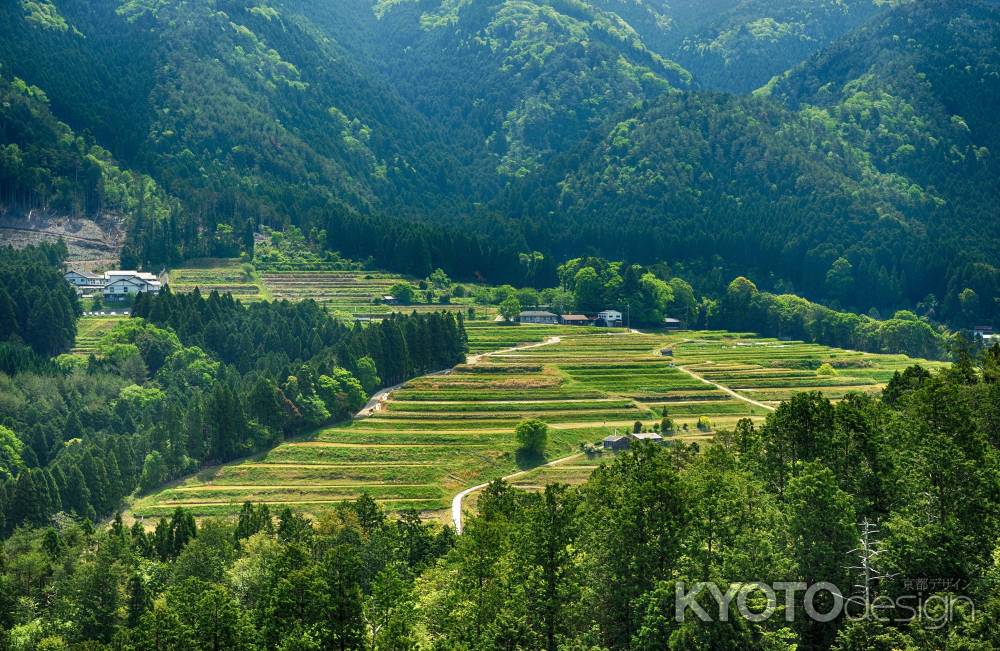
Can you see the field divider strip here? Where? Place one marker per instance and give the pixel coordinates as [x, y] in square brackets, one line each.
[723, 387]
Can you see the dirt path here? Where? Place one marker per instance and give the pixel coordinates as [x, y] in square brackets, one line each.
[726, 389]
[379, 398]
[456, 503]
[475, 359]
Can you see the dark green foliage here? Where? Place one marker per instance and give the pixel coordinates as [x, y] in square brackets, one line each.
[471, 136]
[743, 307]
[37, 306]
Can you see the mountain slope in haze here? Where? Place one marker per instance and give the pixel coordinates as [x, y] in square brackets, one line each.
[750, 41]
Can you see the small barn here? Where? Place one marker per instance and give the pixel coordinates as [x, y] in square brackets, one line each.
[538, 316]
[576, 319]
[650, 437]
[671, 323]
[615, 442]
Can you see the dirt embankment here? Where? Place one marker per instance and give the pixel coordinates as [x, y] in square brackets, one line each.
[92, 242]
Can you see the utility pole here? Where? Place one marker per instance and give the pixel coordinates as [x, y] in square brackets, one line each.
[628, 311]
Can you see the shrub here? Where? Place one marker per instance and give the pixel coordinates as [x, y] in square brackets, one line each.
[826, 369]
[704, 424]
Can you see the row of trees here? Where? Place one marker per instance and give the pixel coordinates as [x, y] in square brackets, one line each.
[744, 307]
[591, 567]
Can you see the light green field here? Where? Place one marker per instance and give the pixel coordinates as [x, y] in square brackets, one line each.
[439, 434]
[89, 330]
[221, 275]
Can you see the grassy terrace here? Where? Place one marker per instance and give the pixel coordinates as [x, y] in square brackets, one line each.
[344, 293]
[439, 434]
[89, 330]
[769, 370]
[223, 276]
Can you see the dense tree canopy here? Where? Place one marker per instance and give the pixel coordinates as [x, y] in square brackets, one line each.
[37, 307]
[188, 381]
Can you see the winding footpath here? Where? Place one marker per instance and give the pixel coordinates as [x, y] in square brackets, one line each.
[726, 389]
[456, 503]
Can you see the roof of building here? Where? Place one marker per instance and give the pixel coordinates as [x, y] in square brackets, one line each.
[647, 436]
[576, 317]
[85, 274]
[133, 280]
[537, 313]
[614, 438]
[671, 320]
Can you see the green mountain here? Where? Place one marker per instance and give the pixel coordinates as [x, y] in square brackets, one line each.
[877, 151]
[749, 41]
[464, 133]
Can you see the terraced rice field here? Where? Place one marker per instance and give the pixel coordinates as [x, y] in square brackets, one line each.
[344, 293]
[487, 336]
[89, 330]
[223, 276]
[437, 434]
[769, 370]
[440, 434]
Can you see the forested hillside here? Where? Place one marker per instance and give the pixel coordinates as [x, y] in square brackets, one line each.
[874, 196]
[916, 93]
[472, 135]
[189, 381]
[746, 42]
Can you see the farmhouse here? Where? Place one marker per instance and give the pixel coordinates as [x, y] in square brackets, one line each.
[122, 287]
[651, 437]
[115, 285]
[84, 279]
[536, 316]
[609, 319]
[615, 442]
[388, 299]
[576, 319]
